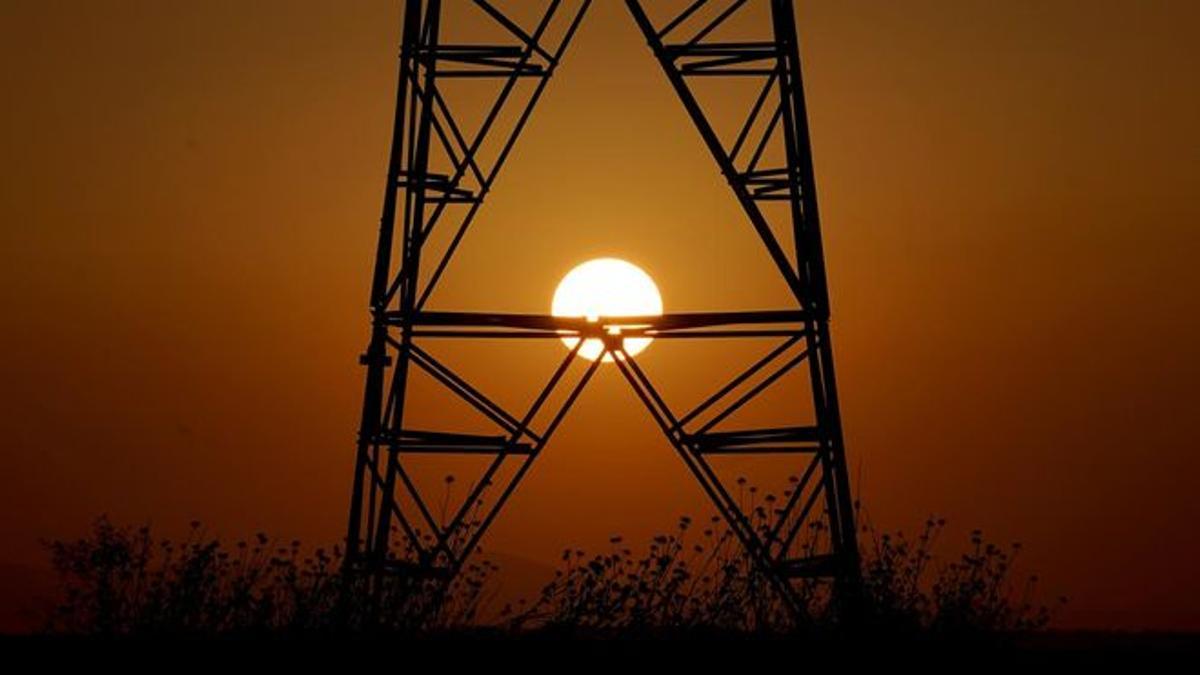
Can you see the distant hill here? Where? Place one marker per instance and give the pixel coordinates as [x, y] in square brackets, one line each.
[518, 578]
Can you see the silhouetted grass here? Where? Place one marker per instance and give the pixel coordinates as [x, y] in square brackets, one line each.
[707, 582]
[121, 581]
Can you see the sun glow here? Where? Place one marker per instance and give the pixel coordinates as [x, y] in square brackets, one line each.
[606, 287]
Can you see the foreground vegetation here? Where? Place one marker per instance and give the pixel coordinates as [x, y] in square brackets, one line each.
[122, 581]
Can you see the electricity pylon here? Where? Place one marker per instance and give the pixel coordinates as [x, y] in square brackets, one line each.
[438, 178]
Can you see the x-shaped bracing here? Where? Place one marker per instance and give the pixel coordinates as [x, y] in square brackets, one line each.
[695, 435]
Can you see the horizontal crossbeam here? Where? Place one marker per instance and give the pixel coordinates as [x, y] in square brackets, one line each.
[434, 442]
[557, 326]
[724, 58]
[756, 441]
[413, 448]
[492, 60]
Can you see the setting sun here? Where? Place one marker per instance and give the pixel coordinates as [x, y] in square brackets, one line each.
[606, 287]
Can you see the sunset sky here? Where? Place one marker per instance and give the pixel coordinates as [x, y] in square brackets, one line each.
[190, 200]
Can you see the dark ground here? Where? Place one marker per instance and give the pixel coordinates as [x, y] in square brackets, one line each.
[704, 652]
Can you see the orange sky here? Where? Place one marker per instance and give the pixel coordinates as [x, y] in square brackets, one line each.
[190, 201]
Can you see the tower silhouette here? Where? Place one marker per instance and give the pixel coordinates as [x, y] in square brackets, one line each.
[439, 174]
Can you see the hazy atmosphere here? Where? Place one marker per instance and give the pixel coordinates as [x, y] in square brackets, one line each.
[191, 197]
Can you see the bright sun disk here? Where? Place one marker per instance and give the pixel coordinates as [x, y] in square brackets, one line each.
[606, 287]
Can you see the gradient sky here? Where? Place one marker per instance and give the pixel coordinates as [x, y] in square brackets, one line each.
[190, 198]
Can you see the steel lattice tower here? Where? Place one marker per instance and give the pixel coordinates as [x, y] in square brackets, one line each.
[436, 178]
